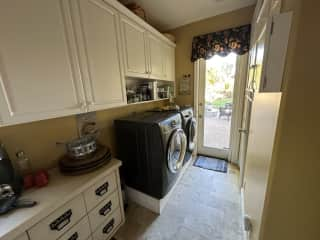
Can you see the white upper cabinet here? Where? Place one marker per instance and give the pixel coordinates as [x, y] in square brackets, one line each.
[100, 53]
[270, 53]
[156, 58]
[65, 57]
[277, 52]
[134, 48]
[169, 63]
[145, 54]
[39, 74]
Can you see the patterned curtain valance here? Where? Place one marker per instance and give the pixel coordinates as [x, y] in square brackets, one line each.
[235, 40]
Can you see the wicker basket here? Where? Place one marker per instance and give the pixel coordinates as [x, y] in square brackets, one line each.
[138, 10]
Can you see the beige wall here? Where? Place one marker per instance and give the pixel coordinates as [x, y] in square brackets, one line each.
[185, 34]
[293, 205]
[38, 139]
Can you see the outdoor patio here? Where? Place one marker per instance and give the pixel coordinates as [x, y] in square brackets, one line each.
[217, 131]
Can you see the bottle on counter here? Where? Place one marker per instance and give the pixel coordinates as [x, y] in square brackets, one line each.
[23, 163]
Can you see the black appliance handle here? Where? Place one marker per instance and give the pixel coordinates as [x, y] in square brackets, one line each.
[108, 228]
[106, 209]
[74, 236]
[61, 221]
[103, 189]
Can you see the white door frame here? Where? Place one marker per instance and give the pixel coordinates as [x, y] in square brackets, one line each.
[239, 95]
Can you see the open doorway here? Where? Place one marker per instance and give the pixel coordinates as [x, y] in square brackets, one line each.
[220, 97]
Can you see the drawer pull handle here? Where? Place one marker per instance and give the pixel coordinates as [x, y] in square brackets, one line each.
[74, 236]
[61, 221]
[106, 209]
[103, 189]
[108, 228]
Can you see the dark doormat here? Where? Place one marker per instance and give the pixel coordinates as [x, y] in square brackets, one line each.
[209, 163]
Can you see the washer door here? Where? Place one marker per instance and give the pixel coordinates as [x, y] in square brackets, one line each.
[191, 133]
[177, 147]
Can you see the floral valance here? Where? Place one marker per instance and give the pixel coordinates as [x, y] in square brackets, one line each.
[235, 40]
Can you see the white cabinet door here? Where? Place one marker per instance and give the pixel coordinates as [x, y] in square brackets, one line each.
[156, 58]
[100, 54]
[39, 74]
[134, 47]
[169, 63]
[23, 236]
[271, 49]
[262, 44]
[277, 52]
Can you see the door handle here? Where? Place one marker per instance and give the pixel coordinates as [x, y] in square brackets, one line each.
[242, 130]
[200, 116]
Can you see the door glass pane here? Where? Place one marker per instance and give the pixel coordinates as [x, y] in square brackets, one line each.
[220, 76]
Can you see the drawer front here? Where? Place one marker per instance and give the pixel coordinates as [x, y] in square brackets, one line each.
[81, 231]
[100, 190]
[23, 236]
[60, 221]
[107, 229]
[100, 213]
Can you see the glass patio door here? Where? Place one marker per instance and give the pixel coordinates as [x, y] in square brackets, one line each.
[216, 103]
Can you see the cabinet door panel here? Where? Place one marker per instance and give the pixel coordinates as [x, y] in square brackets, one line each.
[169, 62]
[23, 236]
[100, 27]
[39, 74]
[134, 47]
[277, 52]
[156, 56]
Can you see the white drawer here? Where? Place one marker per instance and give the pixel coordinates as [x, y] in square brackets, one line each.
[60, 221]
[100, 190]
[106, 230]
[81, 231]
[23, 236]
[103, 210]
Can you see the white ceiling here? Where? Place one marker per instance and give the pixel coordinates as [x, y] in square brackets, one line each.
[169, 14]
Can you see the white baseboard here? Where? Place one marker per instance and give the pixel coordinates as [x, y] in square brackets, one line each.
[153, 204]
[246, 234]
[143, 199]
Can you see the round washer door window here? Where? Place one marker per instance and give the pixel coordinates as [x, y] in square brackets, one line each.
[191, 131]
[177, 147]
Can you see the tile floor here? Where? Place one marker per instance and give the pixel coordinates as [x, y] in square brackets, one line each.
[204, 206]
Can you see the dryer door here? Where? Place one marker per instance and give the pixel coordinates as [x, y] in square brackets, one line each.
[191, 134]
[177, 147]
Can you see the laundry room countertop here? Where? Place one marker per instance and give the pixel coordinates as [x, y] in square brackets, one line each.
[60, 190]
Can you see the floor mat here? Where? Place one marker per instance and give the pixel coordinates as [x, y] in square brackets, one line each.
[209, 163]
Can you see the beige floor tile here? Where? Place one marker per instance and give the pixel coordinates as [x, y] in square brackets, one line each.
[204, 206]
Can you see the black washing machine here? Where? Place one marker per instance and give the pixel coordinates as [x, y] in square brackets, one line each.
[152, 146]
[189, 124]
